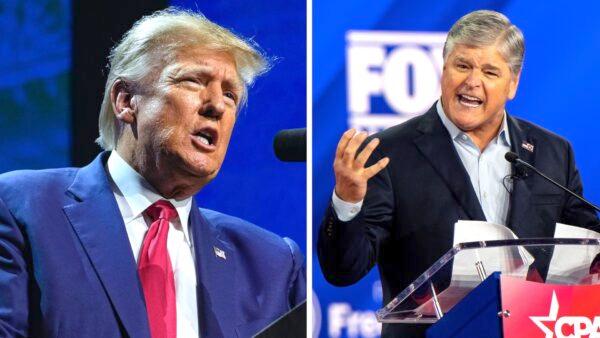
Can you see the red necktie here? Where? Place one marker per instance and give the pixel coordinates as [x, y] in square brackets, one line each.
[156, 272]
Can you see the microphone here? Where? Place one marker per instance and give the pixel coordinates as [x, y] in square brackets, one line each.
[290, 145]
[514, 158]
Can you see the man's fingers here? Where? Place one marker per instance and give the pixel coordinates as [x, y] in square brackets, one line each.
[364, 155]
[343, 143]
[355, 142]
[377, 167]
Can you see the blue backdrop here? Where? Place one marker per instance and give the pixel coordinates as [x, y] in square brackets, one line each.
[252, 183]
[351, 54]
[35, 54]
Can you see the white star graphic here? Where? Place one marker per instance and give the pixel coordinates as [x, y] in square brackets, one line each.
[537, 320]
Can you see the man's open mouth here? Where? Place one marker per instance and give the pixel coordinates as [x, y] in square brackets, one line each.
[469, 101]
[206, 137]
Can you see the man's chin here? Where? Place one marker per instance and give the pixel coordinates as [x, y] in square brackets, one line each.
[466, 119]
[466, 124]
[201, 173]
[199, 165]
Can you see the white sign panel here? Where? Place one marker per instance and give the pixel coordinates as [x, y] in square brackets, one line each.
[400, 69]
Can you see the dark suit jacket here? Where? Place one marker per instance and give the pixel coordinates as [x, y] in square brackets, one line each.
[67, 269]
[408, 215]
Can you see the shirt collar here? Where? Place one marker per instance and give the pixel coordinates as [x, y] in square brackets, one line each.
[455, 132]
[139, 194]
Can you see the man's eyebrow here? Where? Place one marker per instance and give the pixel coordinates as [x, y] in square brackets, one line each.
[490, 66]
[234, 84]
[487, 66]
[181, 70]
[178, 71]
[461, 59]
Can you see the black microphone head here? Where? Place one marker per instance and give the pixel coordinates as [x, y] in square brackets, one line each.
[290, 145]
[511, 157]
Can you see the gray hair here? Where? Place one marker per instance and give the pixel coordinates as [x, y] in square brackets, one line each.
[154, 41]
[485, 28]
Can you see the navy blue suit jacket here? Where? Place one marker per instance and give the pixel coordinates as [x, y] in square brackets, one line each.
[407, 220]
[67, 269]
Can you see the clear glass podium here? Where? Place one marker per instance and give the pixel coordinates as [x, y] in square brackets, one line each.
[563, 261]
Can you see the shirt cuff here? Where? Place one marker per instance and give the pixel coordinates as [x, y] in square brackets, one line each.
[345, 211]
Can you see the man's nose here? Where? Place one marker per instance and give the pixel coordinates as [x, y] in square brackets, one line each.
[213, 102]
[473, 79]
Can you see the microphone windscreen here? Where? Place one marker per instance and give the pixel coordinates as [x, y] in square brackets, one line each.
[290, 145]
[511, 157]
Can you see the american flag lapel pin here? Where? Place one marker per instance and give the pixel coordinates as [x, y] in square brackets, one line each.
[219, 253]
[527, 146]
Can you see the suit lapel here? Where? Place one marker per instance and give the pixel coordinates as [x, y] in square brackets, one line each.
[435, 144]
[96, 219]
[216, 270]
[521, 192]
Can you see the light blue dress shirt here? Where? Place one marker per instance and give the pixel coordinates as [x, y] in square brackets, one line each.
[487, 170]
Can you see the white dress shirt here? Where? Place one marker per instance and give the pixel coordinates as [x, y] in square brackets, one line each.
[134, 195]
[487, 171]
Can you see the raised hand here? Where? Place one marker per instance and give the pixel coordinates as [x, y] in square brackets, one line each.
[351, 176]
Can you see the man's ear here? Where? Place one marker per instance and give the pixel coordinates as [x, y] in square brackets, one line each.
[123, 103]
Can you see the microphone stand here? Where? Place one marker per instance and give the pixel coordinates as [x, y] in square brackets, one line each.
[514, 158]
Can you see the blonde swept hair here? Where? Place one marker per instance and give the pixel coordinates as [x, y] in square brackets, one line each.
[154, 41]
